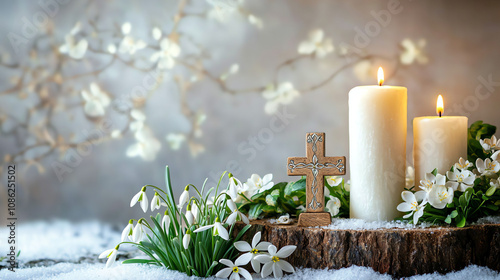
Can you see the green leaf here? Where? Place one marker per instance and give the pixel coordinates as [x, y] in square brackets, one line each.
[294, 187]
[491, 191]
[434, 172]
[461, 222]
[463, 201]
[454, 214]
[448, 219]
[139, 261]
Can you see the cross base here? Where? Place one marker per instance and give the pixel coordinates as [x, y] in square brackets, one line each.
[313, 219]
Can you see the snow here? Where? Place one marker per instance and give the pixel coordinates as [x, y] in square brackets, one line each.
[63, 240]
[358, 224]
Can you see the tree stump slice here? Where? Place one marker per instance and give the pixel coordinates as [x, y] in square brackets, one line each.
[398, 252]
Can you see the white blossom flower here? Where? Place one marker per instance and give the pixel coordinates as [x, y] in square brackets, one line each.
[222, 9]
[487, 167]
[186, 239]
[490, 143]
[232, 70]
[184, 197]
[440, 195]
[111, 48]
[255, 21]
[138, 233]
[165, 56]
[165, 222]
[284, 219]
[333, 206]
[410, 177]
[284, 94]
[189, 215]
[364, 70]
[496, 156]
[495, 183]
[235, 187]
[462, 164]
[156, 202]
[316, 44]
[128, 231]
[146, 147]
[233, 270]
[431, 180]
[74, 49]
[96, 101]
[274, 263]
[254, 250]
[142, 198]
[255, 182]
[175, 140]
[461, 180]
[217, 229]
[156, 32]
[129, 44]
[138, 120]
[411, 205]
[334, 181]
[235, 213]
[111, 255]
[413, 51]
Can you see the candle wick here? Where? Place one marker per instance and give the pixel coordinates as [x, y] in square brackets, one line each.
[440, 114]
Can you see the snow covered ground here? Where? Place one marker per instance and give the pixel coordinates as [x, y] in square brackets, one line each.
[73, 247]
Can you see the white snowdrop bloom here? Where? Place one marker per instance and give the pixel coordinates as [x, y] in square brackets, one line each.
[233, 270]
[165, 221]
[111, 255]
[431, 180]
[165, 56]
[413, 51]
[333, 181]
[138, 233]
[235, 214]
[175, 140]
[410, 177]
[129, 44]
[490, 143]
[255, 21]
[73, 48]
[217, 229]
[411, 205]
[186, 239]
[333, 206]
[487, 167]
[189, 215]
[146, 147]
[235, 187]
[253, 250]
[462, 164]
[460, 180]
[284, 219]
[440, 195]
[183, 199]
[274, 263]
[96, 101]
[156, 202]
[156, 32]
[284, 94]
[142, 198]
[316, 44]
[128, 231]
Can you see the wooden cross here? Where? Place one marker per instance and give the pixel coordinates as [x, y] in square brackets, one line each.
[315, 166]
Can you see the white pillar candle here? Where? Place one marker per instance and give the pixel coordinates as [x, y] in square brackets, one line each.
[377, 145]
[438, 142]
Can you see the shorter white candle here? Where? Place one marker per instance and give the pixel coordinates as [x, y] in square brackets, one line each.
[438, 142]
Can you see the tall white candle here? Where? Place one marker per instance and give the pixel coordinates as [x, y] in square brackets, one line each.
[377, 145]
[438, 142]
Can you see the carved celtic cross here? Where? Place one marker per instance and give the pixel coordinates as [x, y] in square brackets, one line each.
[315, 166]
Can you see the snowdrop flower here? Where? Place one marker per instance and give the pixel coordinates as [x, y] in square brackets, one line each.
[165, 56]
[189, 215]
[129, 44]
[156, 202]
[284, 94]
[487, 167]
[252, 250]
[111, 255]
[217, 229]
[410, 177]
[333, 181]
[186, 239]
[233, 270]
[431, 180]
[284, 219]
[142, 198]
[274, 261]
[413, 51]
[146, 147]
[96, 101]
[316, 44]
[175, 140]
[184, 197]
[165, 222]
[235, 187]
[138, 233]
[411, 205]
[128, 231]
[490, 144]
[462, 164]
[235, 214]
[440, 195]
[460, 180]
[333, 206]
[74, 49]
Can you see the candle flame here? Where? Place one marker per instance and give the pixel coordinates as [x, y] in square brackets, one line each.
[380, 76]
[440, 105]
